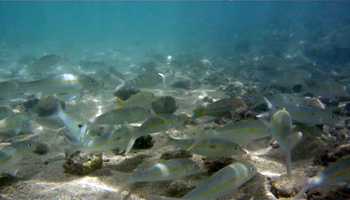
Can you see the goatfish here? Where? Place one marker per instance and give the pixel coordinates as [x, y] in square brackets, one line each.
[219, 108]
[117, 139]
[325, 89]
[63, 83]
[220, 184]
[143, 81]
[311, 116]
[11, 156]
[211, 147]
[15, 122]
[48, 61]
[128, 114]
[281, 127]
[282, 100]
[137, 99]
[166, 170]
[241, 132]
[336, 172]
[158, 123]
[76, 126]
[5, 112]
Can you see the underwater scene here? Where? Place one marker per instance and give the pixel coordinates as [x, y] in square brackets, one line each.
[174, 100]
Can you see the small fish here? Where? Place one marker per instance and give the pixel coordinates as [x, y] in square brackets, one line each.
[8, 88]
[11, 156]
[326, 89]
[220, 184]
[161, 171]
[5, 112]
[311, 116]
[63, 83]
[270, 61]
[282, 100]
[241, 132]
[219, 108]
[336, 172]
[117, 139]
[128, 114]
[47, 62]
[210, 147]
[143, 81]
[158, 123]
[138, 99]
[15, 122]
[281, 127]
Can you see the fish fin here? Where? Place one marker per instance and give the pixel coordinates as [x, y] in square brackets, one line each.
[199, 132]
[14, 171]
[288, 158]
[78, 97]
[163, 78]
[266, 123]
[121, 102]
[294, 126]
[70, 148]
[164, 142]
[294, 139]
[264, 114]
[126, 179]
[132, 139]
[197, 113]
[122, 83]
[158, 197]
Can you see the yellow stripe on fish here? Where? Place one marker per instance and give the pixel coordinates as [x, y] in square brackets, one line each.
[54, 82]
[106, 142]
[158, 123]
[242, 130]
[167, 170]
[276, 126]
[339, 174]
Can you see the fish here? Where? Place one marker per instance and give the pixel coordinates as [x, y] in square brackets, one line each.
[311, 116]
[325, 89]
[121, 115]
[158, 123]
[281, 127]
[143, 81]
[241, 132]
[46, 62]
[166, 170]
[5, 112]
[116, 139]
[222, 183]
[12, 156]
[210, 147]
[15, 122]
[77, 126]
[282, 100]
[138, 99]
[63, 83]
[219, 108]
[336, 172]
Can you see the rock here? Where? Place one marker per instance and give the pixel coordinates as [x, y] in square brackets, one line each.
[144, 142]
[281, 188]
[179, 153]
[214, 166]
[329, 192]
[47, 106]
[165, 105]
[30, 103]
[332, 152]
[83, 163]
[187, 84]
[125, 93]
[41, 149]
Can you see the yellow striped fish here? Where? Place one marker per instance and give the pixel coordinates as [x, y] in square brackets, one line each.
[336, 172]
[220, 184]
[161, 171]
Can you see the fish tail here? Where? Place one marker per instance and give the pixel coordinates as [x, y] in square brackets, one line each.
[301, 192]
[288, 164]
[132, 139]
[121, 102]
[197, 131]
[126, 179]
[198, 113]
[163, 78]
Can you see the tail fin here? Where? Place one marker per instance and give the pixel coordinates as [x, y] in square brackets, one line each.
[121, 102]
[199, 132]
[133, 138]
[163, 78]
[126, 179]
[197, 113]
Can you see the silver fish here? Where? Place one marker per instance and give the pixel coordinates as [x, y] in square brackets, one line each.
[5, 112]
[143, 81]
[166, 170]
[15, 122]
[11, 156]
[137, 99]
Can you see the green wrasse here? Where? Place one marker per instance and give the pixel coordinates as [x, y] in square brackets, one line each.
[166, 170]
[336, 172]
[11, 156]
[220, 184]
[219, 108]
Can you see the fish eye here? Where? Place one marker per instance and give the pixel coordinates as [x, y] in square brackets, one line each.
[148, 111]
[195, 165]
[5, 110]
[28, 114]
[253, 169]
[332, 116]
[79, 125]
[92, 81]
[29, 145]
[268, 129]
[236, 148]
